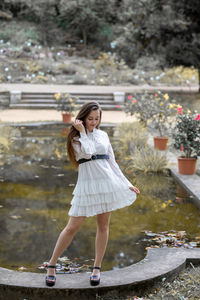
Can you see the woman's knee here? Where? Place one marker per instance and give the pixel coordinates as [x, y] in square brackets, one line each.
[73, 226]
[103, 222]
[103, 228]
[70, 230]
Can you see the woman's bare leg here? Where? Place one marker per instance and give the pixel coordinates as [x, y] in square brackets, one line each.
[103, 221]
[64, 240]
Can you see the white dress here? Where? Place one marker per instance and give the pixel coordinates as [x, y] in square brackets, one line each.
[101, 186]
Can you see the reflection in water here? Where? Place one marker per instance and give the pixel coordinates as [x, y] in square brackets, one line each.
[36, 189]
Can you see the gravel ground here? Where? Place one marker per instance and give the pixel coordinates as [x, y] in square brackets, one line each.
[35, 115]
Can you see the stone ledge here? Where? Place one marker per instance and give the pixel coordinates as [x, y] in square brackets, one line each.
[190, 183]
[159, 263]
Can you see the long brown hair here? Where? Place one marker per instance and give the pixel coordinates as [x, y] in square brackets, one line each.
[73, 132]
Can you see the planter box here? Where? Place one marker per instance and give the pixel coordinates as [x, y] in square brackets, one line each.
[160, 143]
[187, 166]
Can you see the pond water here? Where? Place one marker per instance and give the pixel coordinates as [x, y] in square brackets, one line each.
[36, 184]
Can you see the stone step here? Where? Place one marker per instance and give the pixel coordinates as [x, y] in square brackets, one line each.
[53, 106]
[33, 105]
[157, 265]
[101, 101]
[46, 101]
[51, 95]
[95, 96]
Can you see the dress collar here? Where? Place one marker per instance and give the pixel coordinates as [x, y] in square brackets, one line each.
[92, 132]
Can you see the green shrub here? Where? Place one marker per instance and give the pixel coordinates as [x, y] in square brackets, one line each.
[79, 79]
[67, 69]
[18, 34]
[7, 136]
[186, 134]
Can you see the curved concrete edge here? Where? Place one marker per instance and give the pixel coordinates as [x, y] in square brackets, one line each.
[158, 264]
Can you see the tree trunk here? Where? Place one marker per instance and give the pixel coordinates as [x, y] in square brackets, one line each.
[199, 79]
[84, 38]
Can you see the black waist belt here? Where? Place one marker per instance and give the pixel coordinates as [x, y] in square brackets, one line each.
[93, 157]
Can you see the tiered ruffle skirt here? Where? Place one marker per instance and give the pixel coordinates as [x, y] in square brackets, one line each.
[99, 190]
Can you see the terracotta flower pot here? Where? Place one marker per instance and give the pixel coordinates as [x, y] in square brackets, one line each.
[67, 118]
[160, 143]
[187, 166]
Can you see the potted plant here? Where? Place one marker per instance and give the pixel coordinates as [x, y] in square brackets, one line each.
[186, 135]
[163, 110]
[155, 108]
[66, 104]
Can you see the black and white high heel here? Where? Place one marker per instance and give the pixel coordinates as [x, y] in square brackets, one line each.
[95, 279]
[50, 279]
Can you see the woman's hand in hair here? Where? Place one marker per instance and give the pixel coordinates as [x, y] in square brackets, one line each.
[78, 124]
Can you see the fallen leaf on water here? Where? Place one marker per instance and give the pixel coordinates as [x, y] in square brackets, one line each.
[179, 199]
[41, 267]
[21, 268]
[15, 217]
[180, 234]
[64, 259]
[193, 244]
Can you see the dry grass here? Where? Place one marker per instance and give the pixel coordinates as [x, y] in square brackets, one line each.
[186, 286]
[149, 160]
[132, 149]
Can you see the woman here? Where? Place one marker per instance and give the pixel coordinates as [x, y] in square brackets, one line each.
[101, 186]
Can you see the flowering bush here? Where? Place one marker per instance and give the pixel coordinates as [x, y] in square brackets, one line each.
[152, 107]
[186, 134]
[140, 105]
[66, 103]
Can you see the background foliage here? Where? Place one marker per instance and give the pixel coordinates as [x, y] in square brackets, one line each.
[166, 30]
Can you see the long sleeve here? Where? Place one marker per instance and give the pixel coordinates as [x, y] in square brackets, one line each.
[87, 146]
[115, 166]
[83, 147]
